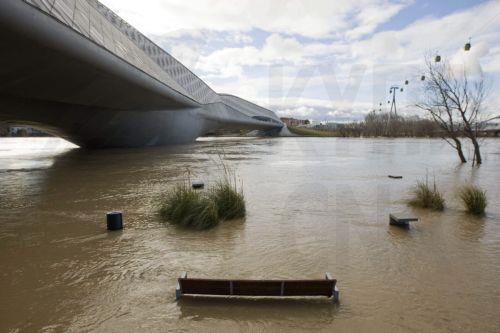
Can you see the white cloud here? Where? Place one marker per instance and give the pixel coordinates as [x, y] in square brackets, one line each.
[370, 17]
[303, 112]
[278, 48]
[238, 38]
[324, 110]
[493, 65]
[444, 35]
[187, 54]
[469, 60]
[319, 18]
[404, 47]
[230, 61]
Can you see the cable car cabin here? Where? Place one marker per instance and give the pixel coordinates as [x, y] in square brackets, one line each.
[438, 58]
[406, 82]
[422, 78]
[467, 46]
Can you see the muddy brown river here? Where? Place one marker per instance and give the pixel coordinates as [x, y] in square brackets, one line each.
[314, 205]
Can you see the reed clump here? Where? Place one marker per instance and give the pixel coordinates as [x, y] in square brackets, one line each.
[473, 198]
[230, 201]
[425, 196]
[187, 207]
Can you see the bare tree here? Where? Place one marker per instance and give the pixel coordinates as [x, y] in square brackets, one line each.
[455, 104]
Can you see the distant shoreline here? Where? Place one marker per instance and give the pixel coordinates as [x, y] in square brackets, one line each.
[346, 133]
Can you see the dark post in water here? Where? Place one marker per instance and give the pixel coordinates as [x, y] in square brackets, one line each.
[114, 220]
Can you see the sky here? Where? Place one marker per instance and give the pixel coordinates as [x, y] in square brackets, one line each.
[324, 60]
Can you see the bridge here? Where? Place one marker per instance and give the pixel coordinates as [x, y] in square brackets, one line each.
[75, 69]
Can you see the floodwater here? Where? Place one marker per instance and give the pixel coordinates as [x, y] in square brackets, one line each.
[314, 205]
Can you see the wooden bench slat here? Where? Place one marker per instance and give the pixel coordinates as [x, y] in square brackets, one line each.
[205, 287]
[257, 288]
[302, 288]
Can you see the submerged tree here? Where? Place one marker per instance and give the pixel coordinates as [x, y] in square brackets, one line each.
[455, 103]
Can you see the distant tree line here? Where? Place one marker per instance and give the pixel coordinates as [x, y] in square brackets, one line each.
[383, 124]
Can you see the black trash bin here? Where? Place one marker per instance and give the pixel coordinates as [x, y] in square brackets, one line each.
[114, 220]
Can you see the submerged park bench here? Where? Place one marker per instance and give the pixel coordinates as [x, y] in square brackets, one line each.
[401, 221]
[269, 288]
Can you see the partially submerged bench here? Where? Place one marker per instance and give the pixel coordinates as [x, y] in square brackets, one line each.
[271, 288]
[401, 221]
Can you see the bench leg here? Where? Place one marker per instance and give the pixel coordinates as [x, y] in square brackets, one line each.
[336, 295]
[178, 288]
[336, 292]
[178, 293]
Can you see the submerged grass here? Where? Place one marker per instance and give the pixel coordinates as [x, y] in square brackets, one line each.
[473, 199]
[426, 197]
[229, 201]
[189, 208]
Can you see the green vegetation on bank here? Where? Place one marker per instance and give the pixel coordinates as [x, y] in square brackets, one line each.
[375, 124]
[423, 196]
[304, 131]
[473, 199]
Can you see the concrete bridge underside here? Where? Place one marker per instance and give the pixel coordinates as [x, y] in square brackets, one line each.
[107, 87]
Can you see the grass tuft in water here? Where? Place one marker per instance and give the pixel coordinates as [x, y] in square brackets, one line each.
[184, 206]
[473, 199]
[426, 197]
[229, 201]
[189, 208]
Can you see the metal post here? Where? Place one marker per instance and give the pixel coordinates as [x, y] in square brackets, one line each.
[393, 107]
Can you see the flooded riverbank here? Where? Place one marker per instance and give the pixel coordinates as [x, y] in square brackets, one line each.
[313, 205]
